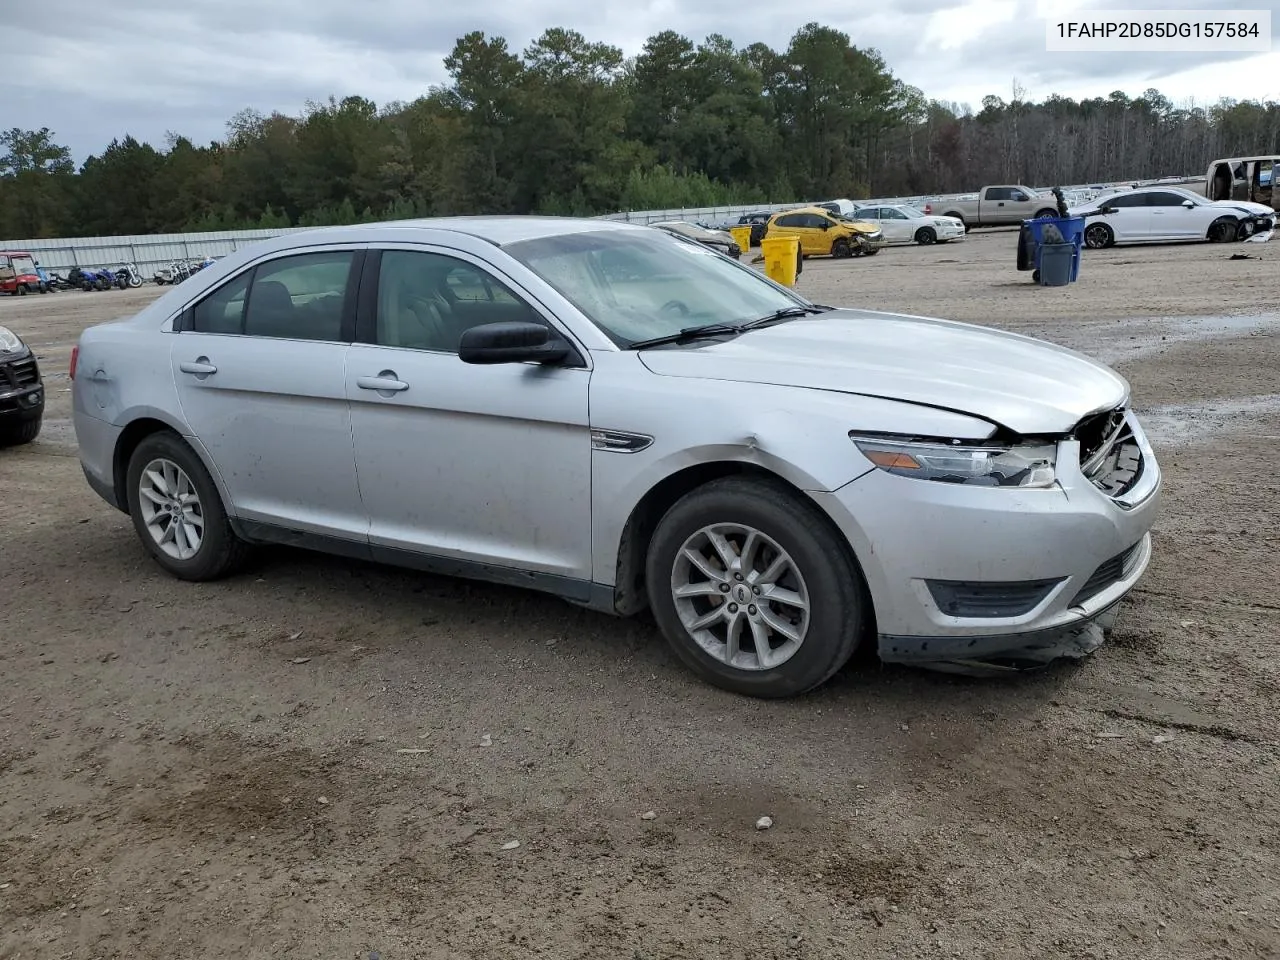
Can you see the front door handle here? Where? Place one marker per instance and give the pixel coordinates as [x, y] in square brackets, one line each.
[201, 367]
[385, 382]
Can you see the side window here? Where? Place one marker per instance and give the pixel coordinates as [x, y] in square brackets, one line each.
[223, 310]
[1126, 200]
[426, 301]
[817, 221]
[299, 297]
[790, 220]
[1018, 195]
[892, 214]
[998, 193]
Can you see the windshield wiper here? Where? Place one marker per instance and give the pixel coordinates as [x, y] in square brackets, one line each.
[728, 329]
[786, 313]
[692, 333]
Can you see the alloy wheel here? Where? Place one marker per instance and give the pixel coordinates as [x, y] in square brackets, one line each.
[740, 596]
[171, 509]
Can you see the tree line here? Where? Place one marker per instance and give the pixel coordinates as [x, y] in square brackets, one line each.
[570, 126]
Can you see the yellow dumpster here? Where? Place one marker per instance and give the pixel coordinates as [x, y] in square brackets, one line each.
[780, 259]
[742, 237]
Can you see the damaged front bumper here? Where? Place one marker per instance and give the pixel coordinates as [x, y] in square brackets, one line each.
[1017, 653]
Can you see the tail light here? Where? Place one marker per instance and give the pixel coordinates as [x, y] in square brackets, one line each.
[75, 355]
[928, 208]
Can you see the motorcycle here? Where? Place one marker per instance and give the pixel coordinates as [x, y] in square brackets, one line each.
[174, 273]
[128, 276]
[91, 279]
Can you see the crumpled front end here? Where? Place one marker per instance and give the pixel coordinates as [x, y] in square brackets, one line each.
[977, 579]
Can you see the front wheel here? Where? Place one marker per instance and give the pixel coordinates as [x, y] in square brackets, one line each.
[18, 434]
[1223, 230]
[177, 512]
[926, 236]
[753, 589]
[841, 249]
[1097, 236]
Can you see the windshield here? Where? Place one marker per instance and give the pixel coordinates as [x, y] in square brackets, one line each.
[639, 284]
[23, 264]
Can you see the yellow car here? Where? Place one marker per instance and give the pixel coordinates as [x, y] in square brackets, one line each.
[823, 233]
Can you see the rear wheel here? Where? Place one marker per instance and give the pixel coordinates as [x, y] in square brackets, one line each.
[177, 512]
[753, 589]
[926, 236]
[1045, 214]
[1098, 235]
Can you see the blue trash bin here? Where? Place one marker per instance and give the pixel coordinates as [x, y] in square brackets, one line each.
[1054, 230]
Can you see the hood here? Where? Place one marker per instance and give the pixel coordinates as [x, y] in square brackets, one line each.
[1025, 385]
[1244, 206]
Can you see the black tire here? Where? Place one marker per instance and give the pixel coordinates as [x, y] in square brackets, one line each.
[926, 236]
[1098, 236]
[838, 604]
[16, 435]
[20, 290]
[221, 552]
[841, 248]
[1223, 230]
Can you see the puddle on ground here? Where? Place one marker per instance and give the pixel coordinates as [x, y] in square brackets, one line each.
[1138, 337]
[1176, 425]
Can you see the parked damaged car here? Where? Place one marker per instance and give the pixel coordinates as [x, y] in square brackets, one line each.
[719, 240]
[1163, 214]
[628, 420]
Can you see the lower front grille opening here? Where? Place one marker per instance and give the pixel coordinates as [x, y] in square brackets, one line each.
[989, 599]
[1109, 573]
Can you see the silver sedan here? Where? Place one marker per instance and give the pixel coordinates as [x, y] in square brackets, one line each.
[626, 420]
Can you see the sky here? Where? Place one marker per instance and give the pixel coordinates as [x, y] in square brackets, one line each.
[152, 66]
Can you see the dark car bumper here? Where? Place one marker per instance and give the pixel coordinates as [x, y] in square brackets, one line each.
[21, 389]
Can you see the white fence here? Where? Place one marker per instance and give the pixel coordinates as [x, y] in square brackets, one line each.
[150, 252]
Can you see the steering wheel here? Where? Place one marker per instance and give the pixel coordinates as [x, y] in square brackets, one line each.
[679, 306]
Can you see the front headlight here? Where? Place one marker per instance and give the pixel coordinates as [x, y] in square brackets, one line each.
[1028, 465]
[10, 342]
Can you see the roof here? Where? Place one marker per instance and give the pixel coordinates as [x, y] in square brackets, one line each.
[496, 229]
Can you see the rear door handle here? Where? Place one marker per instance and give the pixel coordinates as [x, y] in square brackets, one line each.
[201, 367]
[385, 382]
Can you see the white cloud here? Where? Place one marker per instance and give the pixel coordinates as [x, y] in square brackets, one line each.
[150, 65]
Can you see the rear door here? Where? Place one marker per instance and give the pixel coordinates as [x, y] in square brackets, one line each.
[1132, 220]
[260, 364]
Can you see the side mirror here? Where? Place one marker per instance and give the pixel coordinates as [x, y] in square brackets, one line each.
[1188, 204]
[511, 342]
[826, 224]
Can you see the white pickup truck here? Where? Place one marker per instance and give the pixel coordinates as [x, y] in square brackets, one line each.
[997, 206]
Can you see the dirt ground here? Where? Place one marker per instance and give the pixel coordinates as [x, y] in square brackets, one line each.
[289, 764]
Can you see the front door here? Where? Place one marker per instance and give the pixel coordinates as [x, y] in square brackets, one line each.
[485, 465]
[260, 370]
[1171, 219]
